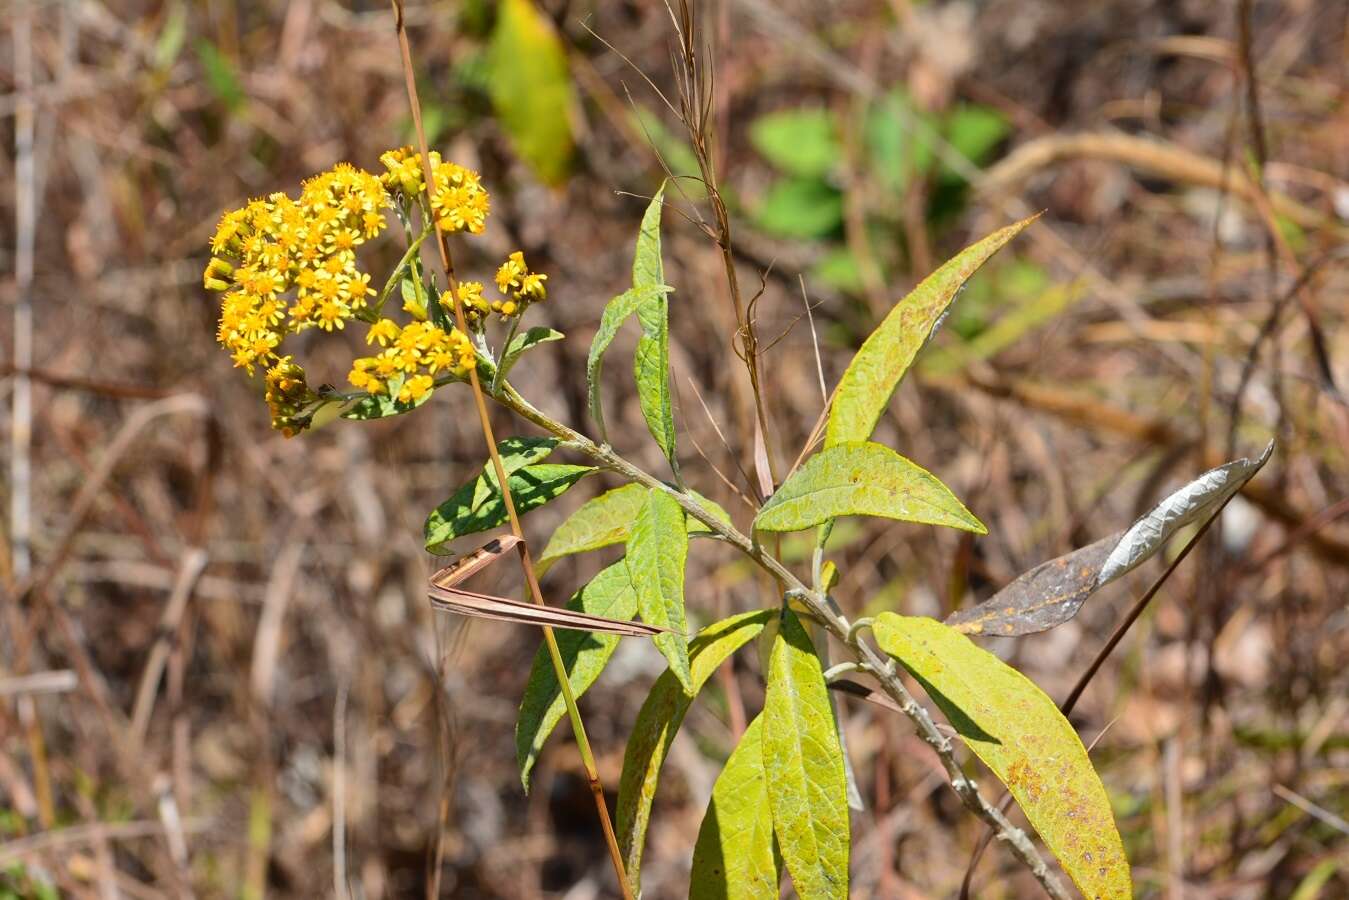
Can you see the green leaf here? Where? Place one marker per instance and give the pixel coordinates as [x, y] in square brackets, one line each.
[612, 319]
[515, 453]
[531, 487]
[381, 406]
[657, 723]
[522, 342]
[736, 857]
[799, 142]
[975, 132]
[648, 268]
[876, 370]
[898, 144]
[1022, 737]
[221, 75]
[657, 549]
[803, 761]
[530, 88]
[651, 365]
[606, 520]
[584, 655]
[863, 479]
[802, 208]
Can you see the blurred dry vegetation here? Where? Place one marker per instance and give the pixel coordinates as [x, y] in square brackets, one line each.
[219, 674]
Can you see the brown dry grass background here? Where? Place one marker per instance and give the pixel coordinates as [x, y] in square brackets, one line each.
[278, 584]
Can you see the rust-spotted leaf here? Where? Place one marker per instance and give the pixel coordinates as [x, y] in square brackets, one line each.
[886, 355]
[1016, 729]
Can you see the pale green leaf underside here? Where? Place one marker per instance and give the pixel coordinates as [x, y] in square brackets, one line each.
[735, 857]
[606, 520]
[651, 364]
[657, 723]
[803, 761]
[876, 370]
[656, 551]
[1019, 733]
[863, 479]
[521, 342]
[584, 654]
[616, 312]
[531, 89]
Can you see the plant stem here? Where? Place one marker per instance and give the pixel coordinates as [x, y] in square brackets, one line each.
[526, 563]
[863, 653]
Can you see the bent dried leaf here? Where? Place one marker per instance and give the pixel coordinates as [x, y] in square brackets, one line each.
[1053, 592]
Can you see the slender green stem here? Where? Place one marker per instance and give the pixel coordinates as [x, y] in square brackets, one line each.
[398, 269]
[867, 656]
[505, 348]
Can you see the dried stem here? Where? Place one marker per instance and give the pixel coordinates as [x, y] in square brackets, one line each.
[526, 563]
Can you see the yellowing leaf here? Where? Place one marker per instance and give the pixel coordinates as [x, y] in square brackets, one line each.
[657, 723]
[1022, 737]
[657, 550]
[803, 761]
[886, 355]
[863, 479]
[530, 88]
[736, 857]
[584, 654]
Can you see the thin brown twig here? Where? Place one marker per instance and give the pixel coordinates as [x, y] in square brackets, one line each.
[484, 420]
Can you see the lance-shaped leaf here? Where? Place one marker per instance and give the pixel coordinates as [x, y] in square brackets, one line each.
[1053, 592]
[807, 787]
[736, 857]
[531, 487]
[863, 479]
[616, 312]
[607, 519]
[1022, 737]
[530, 88]
[515, 453]
[657, 723]
[522, 342]
[657, 549]
[584, 655]
[886, 355]
[651, 365]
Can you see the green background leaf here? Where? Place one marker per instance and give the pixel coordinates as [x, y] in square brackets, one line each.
[531, 89]
[584, 654]
[803, 760]
[800, 208]
[863, 479]
[736, 857]
[657, 723]
[798, 141]
[657, 550]
[1019, 733]
[876, 370]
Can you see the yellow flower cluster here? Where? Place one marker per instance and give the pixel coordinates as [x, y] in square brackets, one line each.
[521, 286]
[458, 200]
[287, 395]
[307, 244]
[417, 352]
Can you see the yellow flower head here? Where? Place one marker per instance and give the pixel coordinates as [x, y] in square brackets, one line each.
[521, 286]
[287, 396]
